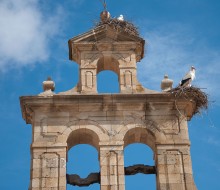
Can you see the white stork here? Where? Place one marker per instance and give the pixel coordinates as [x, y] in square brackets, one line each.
[188, 78]
[121, 18]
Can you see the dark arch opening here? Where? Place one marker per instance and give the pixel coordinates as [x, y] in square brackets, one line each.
[83, 160]
[138, 153]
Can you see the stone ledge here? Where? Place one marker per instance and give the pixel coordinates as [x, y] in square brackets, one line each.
[48, 145]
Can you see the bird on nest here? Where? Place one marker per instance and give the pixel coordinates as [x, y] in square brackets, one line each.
[188, 78]
[120, 18]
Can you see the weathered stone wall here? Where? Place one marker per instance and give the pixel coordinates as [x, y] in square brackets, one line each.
[109, 123]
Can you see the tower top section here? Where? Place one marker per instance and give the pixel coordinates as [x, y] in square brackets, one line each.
[114, 44]
[109, 35]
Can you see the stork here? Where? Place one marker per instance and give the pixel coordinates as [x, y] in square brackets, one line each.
[120, 18]
[188, 78]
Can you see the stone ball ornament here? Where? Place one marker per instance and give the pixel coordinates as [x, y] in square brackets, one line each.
[48, 84]
[48, 87]
[105, 15]
[166, 84]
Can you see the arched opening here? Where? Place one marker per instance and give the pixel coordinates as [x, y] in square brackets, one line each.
[83, 170]
[83, 160]
[107, 75]
[107, 82]
[139, 154]
[139, 161]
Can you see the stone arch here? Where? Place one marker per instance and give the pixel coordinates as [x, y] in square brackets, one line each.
[84, 131]
[150, 126]
[83, 136]
[108, 62]
[139, 134]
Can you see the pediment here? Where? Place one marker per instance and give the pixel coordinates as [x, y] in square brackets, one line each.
[105, 34]
[105, 38]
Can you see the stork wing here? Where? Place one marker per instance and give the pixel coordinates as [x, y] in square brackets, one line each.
[187, 76]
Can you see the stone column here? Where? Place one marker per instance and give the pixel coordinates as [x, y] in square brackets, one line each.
[48, 168]
[112, 167]
[174, 169]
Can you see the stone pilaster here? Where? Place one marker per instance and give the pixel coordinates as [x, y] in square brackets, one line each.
[112, 167]
[48, 168]
[174, 168]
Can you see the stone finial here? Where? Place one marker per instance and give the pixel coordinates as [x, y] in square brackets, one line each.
[105, 15]
[48, 87]
[166, 84]
[48, 84]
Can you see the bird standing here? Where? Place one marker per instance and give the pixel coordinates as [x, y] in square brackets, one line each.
[188, 78]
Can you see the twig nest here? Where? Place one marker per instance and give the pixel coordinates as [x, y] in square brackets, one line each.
[105, 15]
[166, 84]
[192, 94]
[118, 25]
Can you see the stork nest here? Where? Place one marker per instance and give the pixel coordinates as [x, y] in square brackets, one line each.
[193, 94]
[118, 25]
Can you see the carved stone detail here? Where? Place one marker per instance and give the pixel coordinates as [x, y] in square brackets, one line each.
[50, 169]
[27, 114]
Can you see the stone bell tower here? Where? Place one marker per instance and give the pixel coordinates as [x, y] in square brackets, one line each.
[109, 122]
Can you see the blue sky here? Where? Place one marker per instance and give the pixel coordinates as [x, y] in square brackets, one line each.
[33, 45]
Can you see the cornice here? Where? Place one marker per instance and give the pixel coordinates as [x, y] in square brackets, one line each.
[110, 102]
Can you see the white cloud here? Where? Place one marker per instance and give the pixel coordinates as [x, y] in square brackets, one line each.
[172, 51]
[212, 141]
[25, 33]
